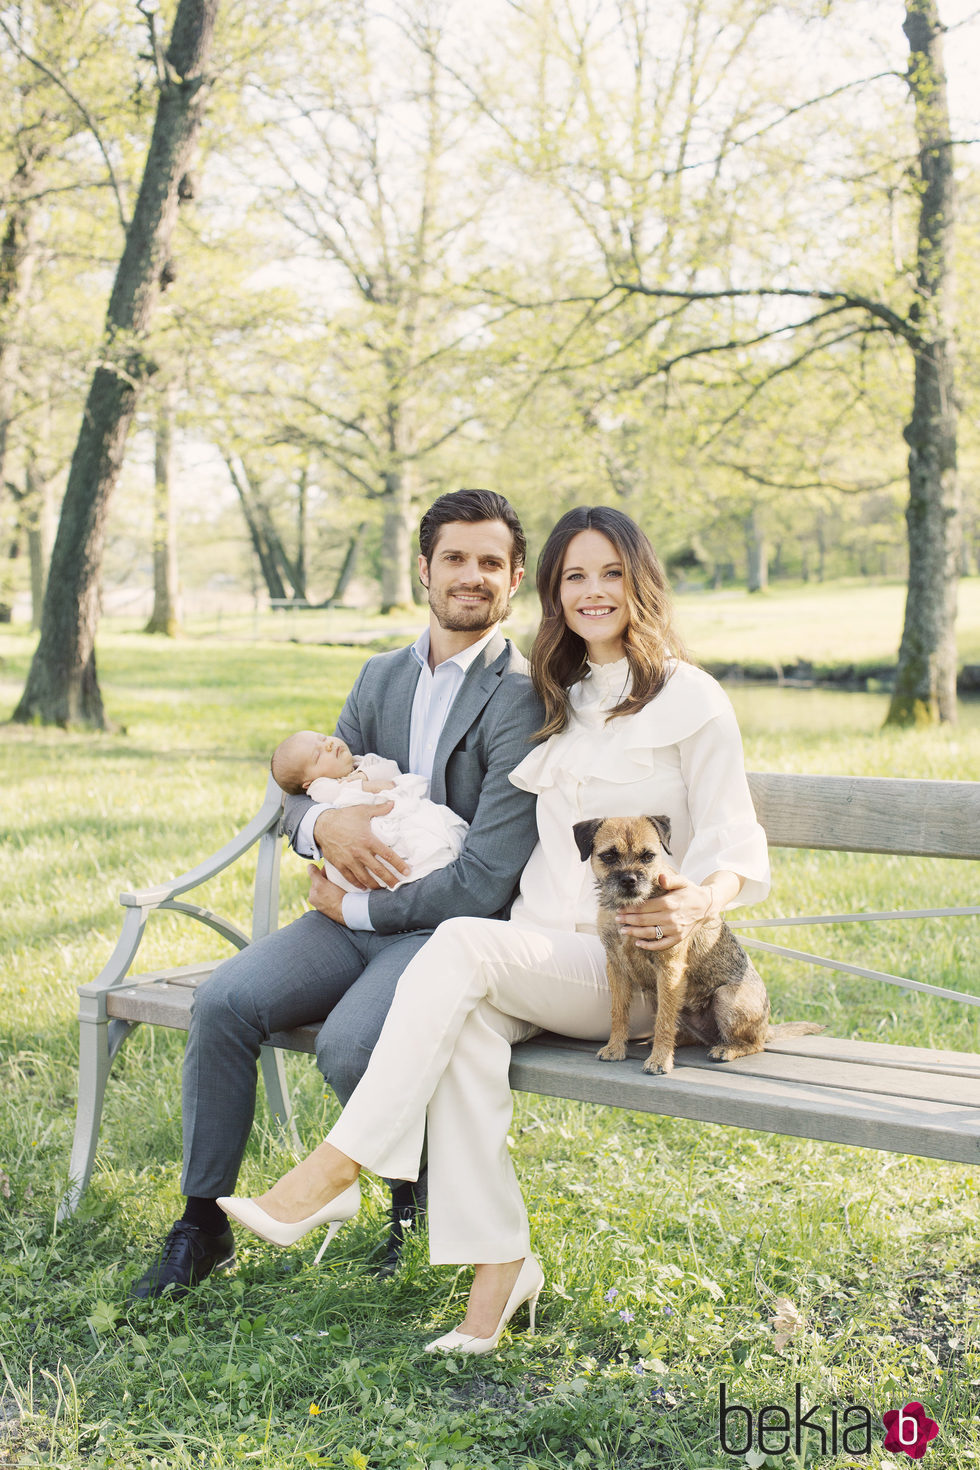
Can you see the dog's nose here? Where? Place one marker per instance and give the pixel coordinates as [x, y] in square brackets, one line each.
[629, 880]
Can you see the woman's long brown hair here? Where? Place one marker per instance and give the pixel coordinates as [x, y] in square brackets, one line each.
[558, 657]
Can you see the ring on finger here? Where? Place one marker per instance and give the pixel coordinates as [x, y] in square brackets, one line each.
[658, 933]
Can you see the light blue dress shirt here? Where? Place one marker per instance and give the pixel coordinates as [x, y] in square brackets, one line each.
[435, 693]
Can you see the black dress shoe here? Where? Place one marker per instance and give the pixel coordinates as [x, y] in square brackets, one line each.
[408, 1206]
[188, 1256]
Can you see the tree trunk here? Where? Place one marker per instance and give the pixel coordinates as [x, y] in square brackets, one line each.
[756, 552]
[62, 685]
[396, 541]
[268, 566]
[346, 574]
[299, 564]
[165, 617]
[279, 570]
[925, 684]
[36, 516]
[18, 251]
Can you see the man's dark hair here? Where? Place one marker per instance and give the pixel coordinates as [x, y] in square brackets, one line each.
[471, 505]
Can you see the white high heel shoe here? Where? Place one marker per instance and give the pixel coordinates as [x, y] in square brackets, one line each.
[527, 1288]
[336, 1212]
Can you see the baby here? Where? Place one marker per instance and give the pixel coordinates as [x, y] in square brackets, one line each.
[426, 835]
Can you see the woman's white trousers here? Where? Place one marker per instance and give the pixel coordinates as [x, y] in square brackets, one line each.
[475, 988]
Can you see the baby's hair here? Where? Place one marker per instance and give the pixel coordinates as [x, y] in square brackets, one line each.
[285, 778]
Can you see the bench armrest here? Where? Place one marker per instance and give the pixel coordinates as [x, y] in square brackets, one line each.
[265, 820]
[262, 829]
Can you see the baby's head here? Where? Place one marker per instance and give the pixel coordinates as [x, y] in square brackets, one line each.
[300, 758]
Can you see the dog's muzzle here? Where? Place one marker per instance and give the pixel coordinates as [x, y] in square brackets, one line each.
[625, 886]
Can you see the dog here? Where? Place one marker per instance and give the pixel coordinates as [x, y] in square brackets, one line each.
[707, 990]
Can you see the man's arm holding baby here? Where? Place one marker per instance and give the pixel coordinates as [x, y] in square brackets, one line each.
[344, 836]
[502, 832]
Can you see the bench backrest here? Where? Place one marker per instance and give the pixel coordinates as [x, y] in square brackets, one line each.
[869, 814]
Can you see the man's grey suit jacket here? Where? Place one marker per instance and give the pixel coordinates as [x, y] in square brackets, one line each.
[487, 732]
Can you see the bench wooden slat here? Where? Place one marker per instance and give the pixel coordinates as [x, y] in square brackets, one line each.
[832, 1048]
[800, 1091]
[303, 1038]
[810, 1067]
[158, 1003]
[189, 975]
[869, 814]
[721, 1095]
[883, 1054]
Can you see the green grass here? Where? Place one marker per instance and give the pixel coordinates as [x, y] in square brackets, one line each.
[834, 623]
[837, 623]
[698, 1228]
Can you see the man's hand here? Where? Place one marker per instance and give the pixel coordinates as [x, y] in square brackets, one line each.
[345, 839]
[325, 896]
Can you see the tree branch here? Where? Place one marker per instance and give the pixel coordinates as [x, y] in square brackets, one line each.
[80, 107]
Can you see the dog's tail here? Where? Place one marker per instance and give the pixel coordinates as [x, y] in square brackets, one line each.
[793, 1028]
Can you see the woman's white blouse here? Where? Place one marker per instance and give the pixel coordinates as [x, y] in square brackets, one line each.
[680, 757]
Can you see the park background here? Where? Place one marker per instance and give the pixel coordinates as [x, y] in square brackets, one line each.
[421, 246]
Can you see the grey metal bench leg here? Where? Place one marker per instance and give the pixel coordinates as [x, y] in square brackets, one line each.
[277, 1092]
[98, 1041]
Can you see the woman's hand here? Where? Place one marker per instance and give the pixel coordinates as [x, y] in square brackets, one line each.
[679, 910]
[325, 896]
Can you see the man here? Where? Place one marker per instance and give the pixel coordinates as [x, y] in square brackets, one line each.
[457, 707]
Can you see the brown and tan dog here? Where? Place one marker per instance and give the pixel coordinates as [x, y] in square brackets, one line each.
[706, 989]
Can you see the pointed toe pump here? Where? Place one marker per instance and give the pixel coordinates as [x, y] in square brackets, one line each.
[336, 1212]
[527, 1288]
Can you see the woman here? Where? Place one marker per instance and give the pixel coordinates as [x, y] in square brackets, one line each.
[633, 728]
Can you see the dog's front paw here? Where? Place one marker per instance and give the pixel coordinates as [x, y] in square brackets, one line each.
[659, 1063]
[723, 1054]
[615, 1051]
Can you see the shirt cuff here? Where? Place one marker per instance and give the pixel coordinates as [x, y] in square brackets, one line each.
[304, 842]
[354, 907]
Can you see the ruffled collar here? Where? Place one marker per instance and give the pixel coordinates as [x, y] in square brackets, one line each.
[607, 680]
[687, 701]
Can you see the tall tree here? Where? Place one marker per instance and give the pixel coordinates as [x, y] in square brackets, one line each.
[925, 685]
[165, 616]
[657, 231]
[62, 684]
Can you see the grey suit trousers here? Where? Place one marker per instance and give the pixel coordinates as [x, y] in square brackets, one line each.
[309, 970]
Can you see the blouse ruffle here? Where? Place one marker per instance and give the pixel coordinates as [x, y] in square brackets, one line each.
[688, 700]
[680, 756]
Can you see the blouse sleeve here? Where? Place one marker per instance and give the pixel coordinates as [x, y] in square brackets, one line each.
[727, 835]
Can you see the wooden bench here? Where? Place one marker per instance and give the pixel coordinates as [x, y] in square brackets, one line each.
[901, 1098]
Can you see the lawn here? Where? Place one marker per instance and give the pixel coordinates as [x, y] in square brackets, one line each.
[832, 623]
[667, 1245]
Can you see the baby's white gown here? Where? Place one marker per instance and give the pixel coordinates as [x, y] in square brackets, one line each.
[428, 836]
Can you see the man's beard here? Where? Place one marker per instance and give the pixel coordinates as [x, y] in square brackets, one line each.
[480, 617]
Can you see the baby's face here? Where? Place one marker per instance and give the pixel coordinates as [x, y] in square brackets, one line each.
[327, 756]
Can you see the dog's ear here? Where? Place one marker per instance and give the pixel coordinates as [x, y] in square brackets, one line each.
[584, 834]
[662, 825]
